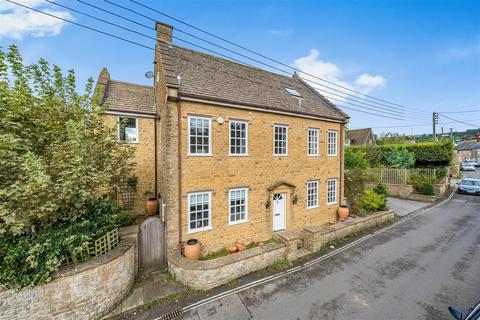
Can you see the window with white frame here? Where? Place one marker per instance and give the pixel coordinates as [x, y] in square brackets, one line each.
[331, 191]
[199, 135]
[238, 137]
[312, 194]
[199, 209]
[127, 129]
[332, 143]
[280, 140]
[238, 207]
[313, 142]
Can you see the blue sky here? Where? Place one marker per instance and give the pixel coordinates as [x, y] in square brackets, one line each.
[420, 54]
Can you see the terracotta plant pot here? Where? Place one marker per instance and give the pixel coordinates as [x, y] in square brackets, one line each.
[152, 206]
[343, 212]
[232, 249]
[240, 247]
[192, 249]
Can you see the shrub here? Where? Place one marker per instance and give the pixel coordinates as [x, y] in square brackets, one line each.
[33, 258]
[371, 201]
[380, 189]
[354, 185]
[422, 184]
[399, 158]
[438, 153]
[59, 153]
[355, 159]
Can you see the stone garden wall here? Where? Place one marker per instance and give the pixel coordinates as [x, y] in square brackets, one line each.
[207, 274]
[88, 290]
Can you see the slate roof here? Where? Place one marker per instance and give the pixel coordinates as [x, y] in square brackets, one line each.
[129, 97]
[359, 136]
[467, 145]
[207, 77]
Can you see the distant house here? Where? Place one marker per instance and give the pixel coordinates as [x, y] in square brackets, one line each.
[468, 149]
[360, 137]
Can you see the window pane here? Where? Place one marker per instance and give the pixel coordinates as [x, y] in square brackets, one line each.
[238, 137]
[199, 210]
[199, 135]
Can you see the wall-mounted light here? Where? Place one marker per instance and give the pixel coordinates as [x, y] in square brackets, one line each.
[295, 199]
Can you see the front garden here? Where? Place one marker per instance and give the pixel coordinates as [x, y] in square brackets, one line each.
[60, 166]
[374, 172]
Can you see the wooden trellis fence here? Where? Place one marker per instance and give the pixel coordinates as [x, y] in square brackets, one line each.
[96, 248]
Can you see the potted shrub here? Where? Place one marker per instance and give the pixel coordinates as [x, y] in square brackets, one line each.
[192, 249]
[151, 204]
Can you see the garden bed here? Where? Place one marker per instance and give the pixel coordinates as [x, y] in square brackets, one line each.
[316, 236]
[208, 274]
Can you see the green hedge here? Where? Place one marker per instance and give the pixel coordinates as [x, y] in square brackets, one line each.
[426, 153]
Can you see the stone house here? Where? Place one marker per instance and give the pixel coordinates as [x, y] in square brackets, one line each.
[468, 149]
[360, 137]
[235, 153]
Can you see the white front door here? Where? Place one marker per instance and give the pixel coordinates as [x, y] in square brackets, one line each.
[279, 211]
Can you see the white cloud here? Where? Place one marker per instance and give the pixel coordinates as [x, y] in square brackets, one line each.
[281, 33]
[317, 67]
[366, 80]
[18, 22]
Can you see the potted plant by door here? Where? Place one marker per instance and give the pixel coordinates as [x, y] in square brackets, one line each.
[192, 249]
[343, 212]
[151, 204]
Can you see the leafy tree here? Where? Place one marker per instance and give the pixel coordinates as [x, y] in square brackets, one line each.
[355, 159]
[399, 158]
[355, 176]
[57, 155]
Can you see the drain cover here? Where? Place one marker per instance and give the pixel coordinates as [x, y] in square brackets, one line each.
[171, 315]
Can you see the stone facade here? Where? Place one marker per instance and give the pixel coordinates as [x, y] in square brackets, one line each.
[144, 157]
[89, 290]
[208, 274]
[258, 172]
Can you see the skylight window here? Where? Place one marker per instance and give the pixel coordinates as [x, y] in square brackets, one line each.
[293, 92]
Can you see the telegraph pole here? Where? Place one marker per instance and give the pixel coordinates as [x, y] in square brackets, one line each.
[434, 123]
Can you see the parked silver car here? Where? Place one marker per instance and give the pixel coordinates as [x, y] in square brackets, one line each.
[467, 166]
[469, 186]
[472, 162]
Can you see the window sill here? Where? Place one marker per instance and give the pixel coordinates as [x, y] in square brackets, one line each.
[315, 207]
[280, 155]
[127, 142]
[199, 155]
[313, 155]
[238, 155]
[332, 155]
[199, 230]
[331, 203]
[237, 222]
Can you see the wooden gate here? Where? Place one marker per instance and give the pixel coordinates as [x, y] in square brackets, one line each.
[151, 243]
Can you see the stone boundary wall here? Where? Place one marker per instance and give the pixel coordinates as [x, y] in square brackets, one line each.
[317, 236]
[407, 191]
[208, 274]
[89, 290]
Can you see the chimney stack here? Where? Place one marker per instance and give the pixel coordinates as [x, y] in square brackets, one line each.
[101, 85]
[164, 32]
